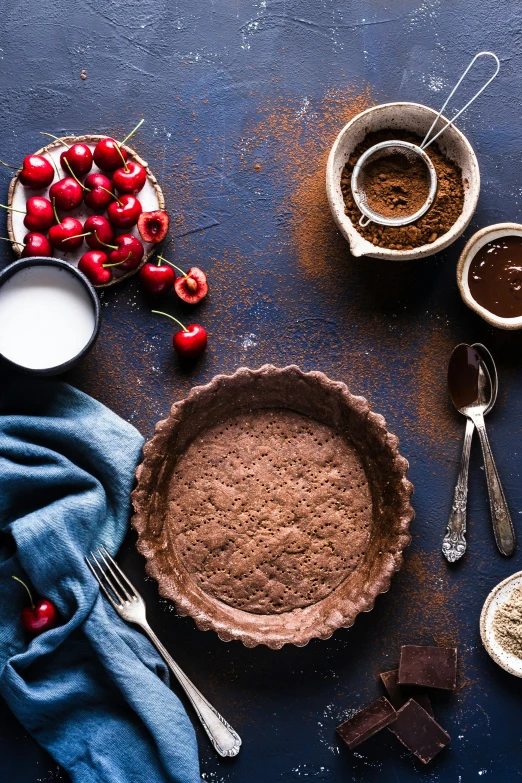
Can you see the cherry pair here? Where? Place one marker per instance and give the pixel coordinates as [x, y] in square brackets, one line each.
[157, 279]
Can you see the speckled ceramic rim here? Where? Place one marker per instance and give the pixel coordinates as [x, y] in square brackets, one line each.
[354, 595]
[24, 263]
[506, 660]
[478, 240]
[359, 126]
[89, 139]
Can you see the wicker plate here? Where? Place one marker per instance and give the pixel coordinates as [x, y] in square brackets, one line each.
[151, 197]
[272, 506]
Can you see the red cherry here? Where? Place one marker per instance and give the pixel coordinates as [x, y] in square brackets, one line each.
[155, 279]
[153, 226]
[39, 215]
[192, 287]
[36, 172]
[190, 341]
[102, 233]
[66, 235]
[130, 180]
[125, 244]
[36, 245]
[79, 158]
[92, 264]
[38, 617]
[99, 191]
[124, 212]
[108, 155]
[67, 193]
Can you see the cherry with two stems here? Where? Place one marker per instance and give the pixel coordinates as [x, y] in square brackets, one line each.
[39, 616]
[39, 215]
[109, 154]
[190, 342]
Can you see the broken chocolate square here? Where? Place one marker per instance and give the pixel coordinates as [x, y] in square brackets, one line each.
[367, 722]
[398, 695]
[419, 732]
[430, 667]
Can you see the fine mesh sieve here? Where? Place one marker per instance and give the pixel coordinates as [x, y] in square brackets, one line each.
[408, 157]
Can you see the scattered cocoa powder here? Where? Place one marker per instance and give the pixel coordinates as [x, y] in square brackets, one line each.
[439, 219]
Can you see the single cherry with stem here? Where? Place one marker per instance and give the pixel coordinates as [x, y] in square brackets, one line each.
[130, 179]
[36, 172]
[67, 193]
[77, 157]
[155, 279]
[99, 232]
[109, 154]
[39, 215]
[192, 286]
[35, 245]
[39, 616]
[127, 250]
[66, 234]
[98, 193]
[94, 266]
[190, 341]
[125, 211]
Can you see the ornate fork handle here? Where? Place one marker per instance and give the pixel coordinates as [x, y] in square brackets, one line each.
[222, 736]
[454, 543]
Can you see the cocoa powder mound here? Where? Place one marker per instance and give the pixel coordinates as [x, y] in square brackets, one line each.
[438, 220]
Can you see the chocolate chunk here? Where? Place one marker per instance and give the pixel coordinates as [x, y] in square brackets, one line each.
[398, 695]
[419, 732]
[367, 722]
[430, 667]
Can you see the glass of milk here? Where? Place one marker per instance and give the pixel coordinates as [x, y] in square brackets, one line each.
[49, 315]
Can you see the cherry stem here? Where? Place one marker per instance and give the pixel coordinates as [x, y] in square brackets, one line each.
[106, 266]
[12, 209]
[109, 192]
[55, 212]
[125, 167]
[112, 247]
[73, 175]
[77, 236]
[13, 241]
[140, 123]
[173, 265]
[57, 138]
[158, 312]
[28, 591]
[8, 165]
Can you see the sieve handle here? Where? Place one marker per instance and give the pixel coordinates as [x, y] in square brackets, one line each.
[364, 221]
[427, 143]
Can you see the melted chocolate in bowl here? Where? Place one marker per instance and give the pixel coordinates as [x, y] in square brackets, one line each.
[495, 277]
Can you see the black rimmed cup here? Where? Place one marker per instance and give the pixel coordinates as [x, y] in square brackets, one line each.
[25, 263]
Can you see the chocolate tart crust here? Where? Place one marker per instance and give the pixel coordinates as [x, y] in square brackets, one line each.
[272, 506]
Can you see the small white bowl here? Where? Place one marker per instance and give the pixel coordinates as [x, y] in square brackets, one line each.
[499, 595]
[478, 240]
[410, 117]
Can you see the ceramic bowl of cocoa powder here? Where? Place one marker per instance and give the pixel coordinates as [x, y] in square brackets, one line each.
[457, 174]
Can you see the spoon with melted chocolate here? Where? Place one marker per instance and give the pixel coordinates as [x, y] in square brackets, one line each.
[472, 392]
[454, 542]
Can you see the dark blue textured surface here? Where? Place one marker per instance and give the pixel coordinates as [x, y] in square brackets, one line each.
[203, 74]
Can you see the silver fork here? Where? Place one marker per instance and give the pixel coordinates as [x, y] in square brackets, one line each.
[129, 604]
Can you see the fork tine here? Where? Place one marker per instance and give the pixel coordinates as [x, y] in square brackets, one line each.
[114, 572]
[102, 586]
[108, 579]
[120, 572]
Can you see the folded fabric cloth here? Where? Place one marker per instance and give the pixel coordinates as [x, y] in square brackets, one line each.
[92, 691]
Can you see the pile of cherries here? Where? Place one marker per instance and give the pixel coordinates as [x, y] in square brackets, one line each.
[117, 197]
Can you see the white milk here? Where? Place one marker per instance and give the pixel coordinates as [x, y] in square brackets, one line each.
[46, 317]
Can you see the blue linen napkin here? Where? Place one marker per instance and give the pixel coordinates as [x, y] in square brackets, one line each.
[92, 691]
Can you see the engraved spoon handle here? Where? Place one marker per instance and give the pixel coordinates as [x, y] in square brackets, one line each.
[454, 543]
[223, 737]
[500, 516]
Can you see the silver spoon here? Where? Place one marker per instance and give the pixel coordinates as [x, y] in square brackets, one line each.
[454, 542]
[473, 394]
